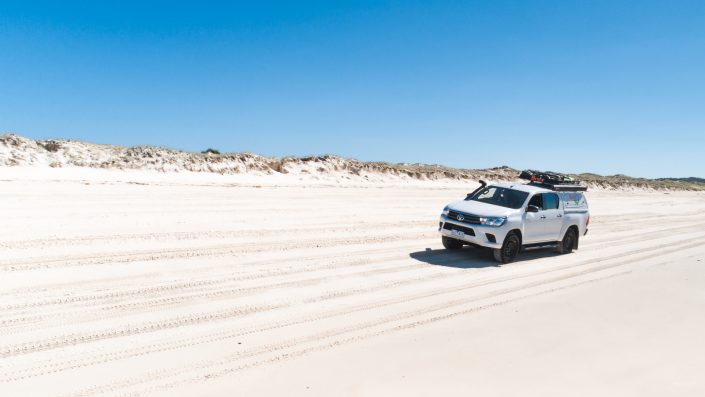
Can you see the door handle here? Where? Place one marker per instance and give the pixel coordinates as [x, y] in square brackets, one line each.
[543, 216]
[560, 216]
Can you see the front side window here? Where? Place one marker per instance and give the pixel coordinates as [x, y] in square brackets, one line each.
[501, 196]
[537, 201]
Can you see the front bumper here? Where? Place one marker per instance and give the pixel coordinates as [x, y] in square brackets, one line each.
[480, 235]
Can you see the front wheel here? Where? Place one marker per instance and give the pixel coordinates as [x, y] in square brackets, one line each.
[510, 249]
[451, 243]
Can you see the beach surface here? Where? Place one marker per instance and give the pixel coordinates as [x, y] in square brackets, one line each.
[119, 283]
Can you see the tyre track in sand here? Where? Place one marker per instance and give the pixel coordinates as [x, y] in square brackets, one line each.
[327, 228]
[350, 259]
[160, 303]
[198, 271]
[217, 250]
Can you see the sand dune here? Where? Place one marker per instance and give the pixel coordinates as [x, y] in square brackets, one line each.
[118, 283]
[20, 152]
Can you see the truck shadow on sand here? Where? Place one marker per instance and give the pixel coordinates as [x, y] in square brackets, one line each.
[472, 257]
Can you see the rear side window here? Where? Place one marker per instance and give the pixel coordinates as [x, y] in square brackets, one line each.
[574, 200]
[550, 201]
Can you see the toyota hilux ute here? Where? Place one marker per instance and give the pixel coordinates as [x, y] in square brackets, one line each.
[549, 211]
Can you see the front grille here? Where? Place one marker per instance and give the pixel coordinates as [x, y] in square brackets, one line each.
[466, 230]
[467, 218]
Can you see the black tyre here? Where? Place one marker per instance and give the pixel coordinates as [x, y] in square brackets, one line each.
[510, 249]
[569, 242]
[451, 243]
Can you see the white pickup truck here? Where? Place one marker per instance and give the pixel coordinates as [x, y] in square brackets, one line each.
[511, 217]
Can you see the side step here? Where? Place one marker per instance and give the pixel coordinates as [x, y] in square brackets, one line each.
[535, 246]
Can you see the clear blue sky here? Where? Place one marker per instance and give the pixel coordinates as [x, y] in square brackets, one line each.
[602, 86]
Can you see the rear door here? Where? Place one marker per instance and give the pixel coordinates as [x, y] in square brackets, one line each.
[553, 213]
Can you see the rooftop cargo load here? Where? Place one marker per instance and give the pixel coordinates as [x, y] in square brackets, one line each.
[553, 181]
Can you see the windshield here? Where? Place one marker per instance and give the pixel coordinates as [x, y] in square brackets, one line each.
[501, 196]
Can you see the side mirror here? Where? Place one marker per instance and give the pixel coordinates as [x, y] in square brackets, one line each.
[532, 208]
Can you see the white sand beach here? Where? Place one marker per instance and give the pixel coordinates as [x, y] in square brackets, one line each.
[119, 283]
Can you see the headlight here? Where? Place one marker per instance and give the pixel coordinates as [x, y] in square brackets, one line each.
[493, 221]
[445, 211]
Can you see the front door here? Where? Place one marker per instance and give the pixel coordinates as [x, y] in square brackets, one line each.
[533, 222]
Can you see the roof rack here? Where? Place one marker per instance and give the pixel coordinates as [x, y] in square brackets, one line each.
[552, 180]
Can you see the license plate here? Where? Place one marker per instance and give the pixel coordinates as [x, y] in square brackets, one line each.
[458, 233]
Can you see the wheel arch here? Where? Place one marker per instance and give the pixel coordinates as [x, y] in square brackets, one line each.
[518, 233]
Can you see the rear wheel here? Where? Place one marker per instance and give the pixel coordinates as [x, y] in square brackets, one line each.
[568, 244]
[451, 243]
[510, 249]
